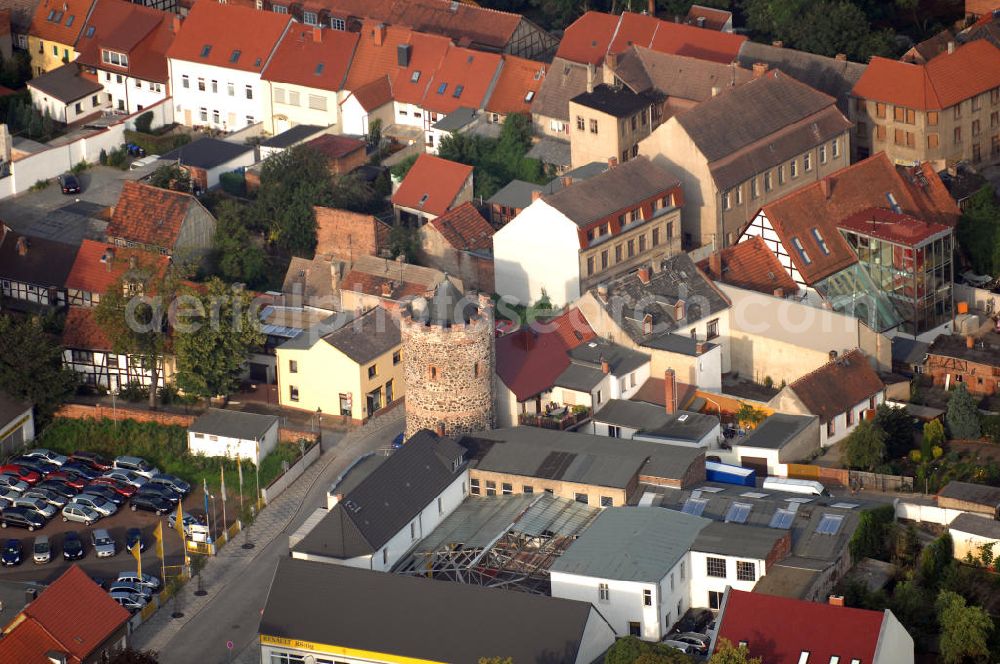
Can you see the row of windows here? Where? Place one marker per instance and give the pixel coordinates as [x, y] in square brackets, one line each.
[55, 51]
[909, 115]
[627, 250]
[155, 87]
[217, 116]
[831, 426]
[905, 138]
[308, 17]
[293, 98]
[745, 570]
[777, 176]
[202, 86]
[507, 489]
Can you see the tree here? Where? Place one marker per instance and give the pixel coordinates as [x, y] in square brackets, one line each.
[898, 428]
[936, 560]
[906, 546]
[631, 650]
[404, 241]
[978, 231]
[750, 417]
[31, 366]
[873, 534]
[727, 653]
[291, 184]
[212, 335]
[144, 122]
[171, 176]
[933, 437]
[965, 630]
[132, 656]
[865, 446]
[400, 169]
[240, 257]
[962, 417]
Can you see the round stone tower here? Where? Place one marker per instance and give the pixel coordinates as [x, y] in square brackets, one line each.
[449, 358]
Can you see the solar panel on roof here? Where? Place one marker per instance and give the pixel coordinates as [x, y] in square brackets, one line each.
[694, 506]
[738, 512]
[782, 519]
[830, 524]
[845, 506]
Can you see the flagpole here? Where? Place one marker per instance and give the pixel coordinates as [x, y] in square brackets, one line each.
[222, 490]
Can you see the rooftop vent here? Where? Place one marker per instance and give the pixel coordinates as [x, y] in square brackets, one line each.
[403, 53]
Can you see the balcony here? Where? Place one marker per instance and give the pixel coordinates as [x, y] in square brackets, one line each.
[560, 418]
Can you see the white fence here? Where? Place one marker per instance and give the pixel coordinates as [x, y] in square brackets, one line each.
[295, 471]
[926, 513]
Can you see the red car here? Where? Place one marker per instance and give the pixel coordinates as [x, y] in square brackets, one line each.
[72, 479]
[122, 489]
[22, 473]
[92, 459]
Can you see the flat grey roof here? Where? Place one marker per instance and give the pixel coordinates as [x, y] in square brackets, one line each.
[551, 151]
[735, 539]
[207, 153]
[971, 493]
[233, 423]
[293, 136]
[425, 619]
[632, 544]
[65, 84]
[457, 119]
[652, 420]
[976, 525]
[777, 431]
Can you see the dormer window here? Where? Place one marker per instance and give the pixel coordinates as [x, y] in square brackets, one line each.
[531, 95]
[415, 76]
[114, 58]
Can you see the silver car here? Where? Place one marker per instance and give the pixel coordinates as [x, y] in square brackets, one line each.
[11, 483]
[41, 550]
[99, 504]
[51, 497]
[79, 513]
[104, 545]
[129, 600]
[131, 587]
[137, 465]
[146, 579]
[46, 455]
[37, 504]
[127, 476]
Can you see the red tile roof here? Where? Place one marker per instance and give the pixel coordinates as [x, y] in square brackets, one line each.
[888, 225]
[517, 85]
[858, 187]
[333, 146]
[411, 83]
[91, 274]
[60, 21]
[941, 83]
[715, 19]
[313, 58]
[751, 265]
[465, 73]
[143, 33]
[465, 229]
[375, 94]
[77, 613]
[779, 629]
[652, 391]
[432, 184]
[594, 35]
[149, 215]
[374, 60]
[837, 386]
[372, 284]
[530, 359]
[248, 35]
[29, 643]
[82, 332]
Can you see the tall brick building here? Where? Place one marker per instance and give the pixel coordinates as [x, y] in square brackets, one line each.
[449, 359]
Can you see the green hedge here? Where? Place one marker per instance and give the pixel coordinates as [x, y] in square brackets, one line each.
[233, 183]
[153, 144]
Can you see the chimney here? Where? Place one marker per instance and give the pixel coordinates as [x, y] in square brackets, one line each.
[590, 77]
[612, 162]
[970, 341]
[176, 24]
[611, 61]
[535, 195]
[841, 56]
[386, 288]
[670, 391]
[833, 356]
[759, 69]
[777, 43]
[567, 180]
[679, 310]
[825, 187]
[779, 292]
[700, 347]
[605, 367]
[378, 34]
[22, 246]
[317, 34]
[700, 21]
[716, 90]
[602, 292]
[337, 497]
[651, 9]
[715, 265]
[644, 275]
[30, 595]
[951, 47]
[836, 600]
[440, 429]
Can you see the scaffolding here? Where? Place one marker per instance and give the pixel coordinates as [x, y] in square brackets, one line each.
[501, 541]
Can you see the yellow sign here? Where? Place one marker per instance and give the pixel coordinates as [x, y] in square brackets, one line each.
[298, 644]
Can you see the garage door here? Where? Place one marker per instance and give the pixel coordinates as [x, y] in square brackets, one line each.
[757, 463]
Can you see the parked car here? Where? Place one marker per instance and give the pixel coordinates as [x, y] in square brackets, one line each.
[128, 586]
[685, 648]
[175, 484]
[8, 496]
[40, 466]
[697, 641]
[73, 546]
[137, 465]
[69, 184]
[123, 489]
[21, 473]
[80, 514]
[104, 544]
[92, 459]
[694, 620]
[133, 537]
[129, 600]
[41, 550]
[189, 520]
[160, 490]
[105, 492]
[22, 517]
[67, 477]
[13, 483]
[150, 503]
[43, 508]
[100, 505]
[59, 487]
[11, 553]
[127, 476]
[49, 496]
[144, 579]
[80, 469]
[46, 455]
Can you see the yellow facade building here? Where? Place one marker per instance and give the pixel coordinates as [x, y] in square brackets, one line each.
[55, 28]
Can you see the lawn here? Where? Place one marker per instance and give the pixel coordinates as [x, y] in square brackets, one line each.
[163, 446]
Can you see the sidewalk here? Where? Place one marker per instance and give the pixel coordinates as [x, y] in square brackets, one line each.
[236, 564]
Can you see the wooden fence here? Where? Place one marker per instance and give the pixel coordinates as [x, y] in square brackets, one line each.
[854, 479]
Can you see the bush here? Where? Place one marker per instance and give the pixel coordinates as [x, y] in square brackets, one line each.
[39, 185]
[154, 144]
[103, 157]
[144, 122]
[118, 158]
[134, 391]
[80, 166]
[233, 183]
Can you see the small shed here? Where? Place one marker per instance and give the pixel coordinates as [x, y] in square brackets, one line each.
[969, 497]
[233, 434]
[971, 532]
[208, 158]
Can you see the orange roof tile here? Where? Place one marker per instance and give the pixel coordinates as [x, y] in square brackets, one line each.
[939, 84]
[375, 54]
[29, 643]
[313, 58]
[432, 184]
[334, 146]
[375, 94]
[715, 19]
[838, 385]
[518, 83]
[463, 79]
[371, 284]
[465, 229]
[411, 83]
[60, 21]
[229, 36]
[594, 35]
[93, 274]
[149, 215]
[81, 331]
[143, 33]
[77, 612]
[751, 265]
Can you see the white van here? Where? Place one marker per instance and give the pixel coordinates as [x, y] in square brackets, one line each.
[788, 485]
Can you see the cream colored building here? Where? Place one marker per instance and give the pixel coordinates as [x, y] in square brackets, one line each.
[608, 122]
[347, 367]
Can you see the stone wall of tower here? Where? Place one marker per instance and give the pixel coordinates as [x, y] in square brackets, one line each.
[449, 374]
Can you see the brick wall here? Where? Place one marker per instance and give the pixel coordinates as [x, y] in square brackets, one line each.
[346, 235]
